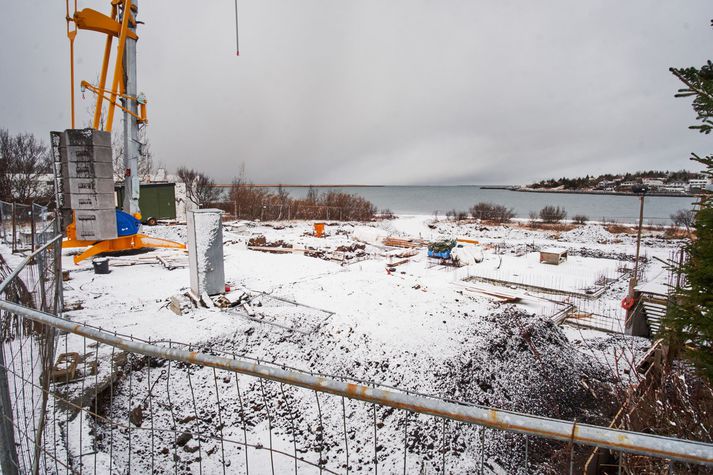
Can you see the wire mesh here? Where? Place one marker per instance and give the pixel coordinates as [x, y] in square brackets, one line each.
[75, 404]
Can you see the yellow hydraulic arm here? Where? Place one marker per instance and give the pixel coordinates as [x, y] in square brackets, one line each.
[89, 19]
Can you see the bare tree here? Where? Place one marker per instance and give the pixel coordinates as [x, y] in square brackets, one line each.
[684, 218]
[23, 162]
[199, 187]
[146, 164]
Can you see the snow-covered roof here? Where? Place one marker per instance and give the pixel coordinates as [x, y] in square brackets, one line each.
[554, 250]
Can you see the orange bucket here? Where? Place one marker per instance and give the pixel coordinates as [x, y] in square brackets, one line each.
[319, 229]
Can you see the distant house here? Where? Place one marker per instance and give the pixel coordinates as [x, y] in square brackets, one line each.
[699, 183]
[626, 185]
[653, 182]
[606, 184]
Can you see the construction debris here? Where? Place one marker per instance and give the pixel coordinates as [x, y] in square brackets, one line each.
[194, 298]
[65, 368]
[179, 304]
[407, 243]
[206, 301]
[499, 295]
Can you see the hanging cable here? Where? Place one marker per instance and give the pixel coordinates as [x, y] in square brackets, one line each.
[71, 34]
[237, 39]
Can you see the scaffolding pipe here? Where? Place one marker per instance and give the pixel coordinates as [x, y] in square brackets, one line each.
[618, 440]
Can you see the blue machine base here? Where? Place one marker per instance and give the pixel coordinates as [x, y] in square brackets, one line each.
[126, 225]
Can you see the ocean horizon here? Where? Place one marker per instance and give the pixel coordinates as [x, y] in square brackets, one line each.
[439, 199]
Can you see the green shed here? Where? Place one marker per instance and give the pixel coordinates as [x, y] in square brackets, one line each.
[157, 201]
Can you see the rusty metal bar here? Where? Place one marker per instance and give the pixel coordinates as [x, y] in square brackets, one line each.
[25, 261]
[632, 442]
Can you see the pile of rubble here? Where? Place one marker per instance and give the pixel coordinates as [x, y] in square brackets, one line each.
[181, 304]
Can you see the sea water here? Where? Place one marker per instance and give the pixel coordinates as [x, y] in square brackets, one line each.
[430, 200]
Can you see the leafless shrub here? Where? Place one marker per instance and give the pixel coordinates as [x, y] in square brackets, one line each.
[677, 403]
[492, 212]
[683, 218]
[386, 213]
[580, 219]
[247, 201]
[552, 214]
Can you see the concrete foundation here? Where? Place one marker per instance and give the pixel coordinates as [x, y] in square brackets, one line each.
[205, 251]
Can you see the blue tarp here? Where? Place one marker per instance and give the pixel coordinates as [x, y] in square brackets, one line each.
[126, 225]
[440, 255]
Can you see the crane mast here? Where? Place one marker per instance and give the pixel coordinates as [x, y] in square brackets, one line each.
[132, 145]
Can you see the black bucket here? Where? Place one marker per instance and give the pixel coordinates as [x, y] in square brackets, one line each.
[101, 266]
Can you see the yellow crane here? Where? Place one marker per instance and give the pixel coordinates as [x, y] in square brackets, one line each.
[121, 23]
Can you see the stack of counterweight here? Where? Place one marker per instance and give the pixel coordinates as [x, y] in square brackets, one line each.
[86, 183]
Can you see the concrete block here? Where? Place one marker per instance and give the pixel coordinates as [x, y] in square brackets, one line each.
[85, 153]
[205, 251]
[95, 225]
[96, 201]
[85, 137]
[87, 169]
[84, 186]
[180, 304]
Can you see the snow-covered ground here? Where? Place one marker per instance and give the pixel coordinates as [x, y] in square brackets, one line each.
[369, 312]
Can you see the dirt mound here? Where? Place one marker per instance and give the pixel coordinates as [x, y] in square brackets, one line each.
[589, 233]
[528, 365]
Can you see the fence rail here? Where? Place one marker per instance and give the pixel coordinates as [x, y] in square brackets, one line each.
[23, 226]
[76, 398]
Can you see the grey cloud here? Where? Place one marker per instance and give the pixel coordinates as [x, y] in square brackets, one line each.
[398, 92]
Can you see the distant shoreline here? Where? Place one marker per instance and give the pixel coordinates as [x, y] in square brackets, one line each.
[482, 187]
[589, 192]
[301, 186]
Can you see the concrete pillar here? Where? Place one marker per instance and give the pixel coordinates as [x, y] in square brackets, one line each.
[205, 251]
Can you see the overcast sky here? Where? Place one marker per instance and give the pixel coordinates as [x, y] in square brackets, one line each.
[384, 92]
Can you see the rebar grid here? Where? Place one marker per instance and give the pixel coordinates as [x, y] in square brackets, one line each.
[130, 405]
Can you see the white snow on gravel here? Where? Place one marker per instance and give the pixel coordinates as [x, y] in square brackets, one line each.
[411, 327]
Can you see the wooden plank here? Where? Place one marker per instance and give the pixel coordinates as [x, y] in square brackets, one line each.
[283, 250]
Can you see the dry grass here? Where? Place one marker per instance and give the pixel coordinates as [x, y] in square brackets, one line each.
[558, 227]
[620, 229]
[678, 403]
[676, 233]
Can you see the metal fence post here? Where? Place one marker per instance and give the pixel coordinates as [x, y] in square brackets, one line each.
[8, 452]
[47, 359]
[13, 227]
[32, 227]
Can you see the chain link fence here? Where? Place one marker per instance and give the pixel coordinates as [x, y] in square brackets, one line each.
[79, 399]
[22, 226]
